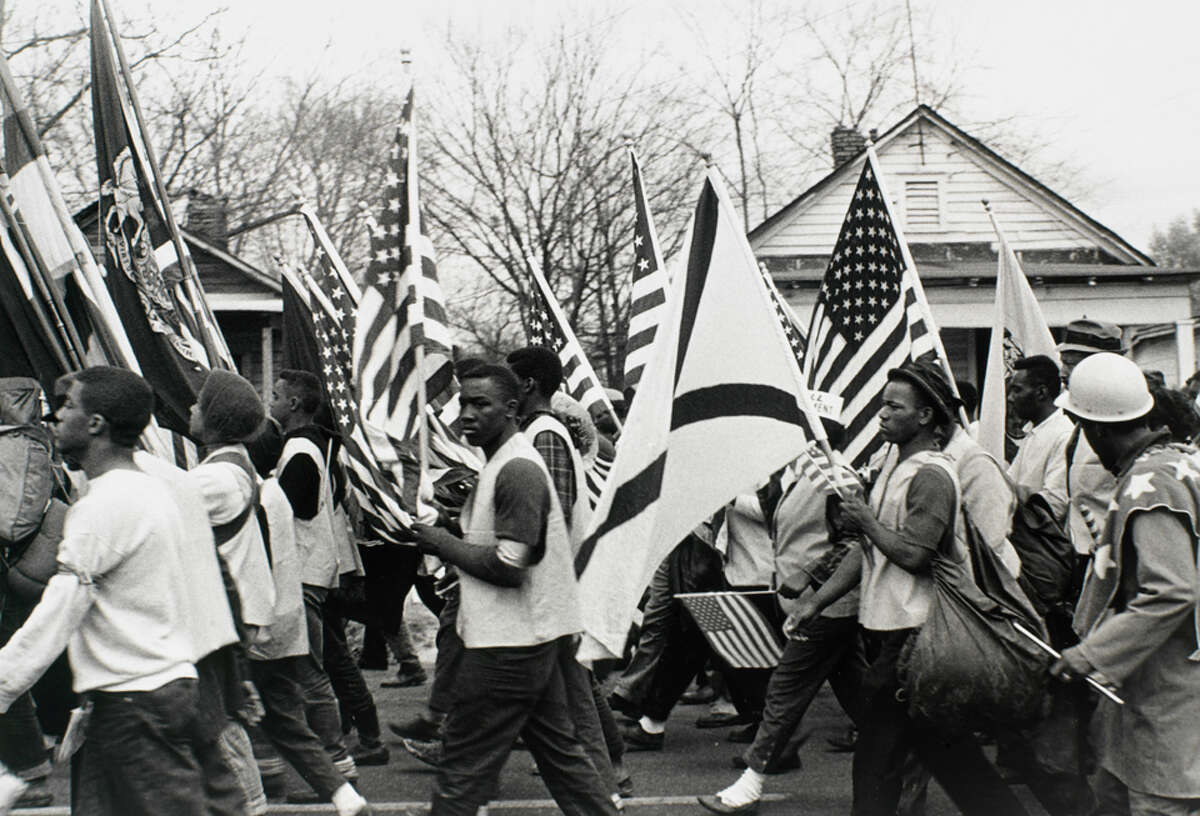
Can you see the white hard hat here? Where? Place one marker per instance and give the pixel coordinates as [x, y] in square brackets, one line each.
[1106, 387]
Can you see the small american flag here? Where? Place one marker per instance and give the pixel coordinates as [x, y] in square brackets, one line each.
[548, 327]
[648, 295]
[734, 628]
[787, 318]
[868, 317]
[402, 302]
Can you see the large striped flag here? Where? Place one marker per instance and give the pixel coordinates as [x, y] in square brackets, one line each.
[648, 294]
[734, 628]
[317, 326]
[548, 327]
[718, 411]
[402, 302]
[869, 316]
[1018, 330]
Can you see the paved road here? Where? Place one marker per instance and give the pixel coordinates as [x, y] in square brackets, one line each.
[666, 782]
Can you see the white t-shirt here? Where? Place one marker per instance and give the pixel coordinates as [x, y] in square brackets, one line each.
[124, 538]
[1040, 465]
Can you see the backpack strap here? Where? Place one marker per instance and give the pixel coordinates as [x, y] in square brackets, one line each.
[225, 531]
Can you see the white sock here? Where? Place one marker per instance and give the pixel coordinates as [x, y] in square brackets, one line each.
[747, 789]
[348, 801]
[652, 726]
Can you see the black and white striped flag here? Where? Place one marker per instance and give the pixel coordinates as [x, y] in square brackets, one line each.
[648, 294]
[734, 628]
[869, 316]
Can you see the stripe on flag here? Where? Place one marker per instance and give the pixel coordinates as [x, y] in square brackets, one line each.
[648, 294]
[402, 302]
[734, 628]
[867, 318]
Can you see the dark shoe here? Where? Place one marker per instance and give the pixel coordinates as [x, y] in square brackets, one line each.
[722, 720]
[627, 707]
[843, 744]
[790, 762]
[698, 696]
[625, 787]
[428, 752]
[275, 785]
[639, 739]
[743, 735]
[407, 679]
[418, 729]
[373, 663]
[376, 754]
[715, 804]
[308, 797]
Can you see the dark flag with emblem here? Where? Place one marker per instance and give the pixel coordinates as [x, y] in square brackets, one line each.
[734, 628]
[718, 411]
[145, 276]
[868, 317]
[316, 314]
[548, 327]
[648, 294]
[402, 302]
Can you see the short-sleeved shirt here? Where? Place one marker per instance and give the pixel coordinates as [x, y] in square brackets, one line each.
[522, 502]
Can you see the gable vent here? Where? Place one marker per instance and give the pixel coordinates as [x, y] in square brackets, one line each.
[921, 203]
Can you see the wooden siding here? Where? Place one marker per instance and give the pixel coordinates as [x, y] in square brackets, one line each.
[925, 152]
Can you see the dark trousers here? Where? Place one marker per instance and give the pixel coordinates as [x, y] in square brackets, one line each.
[22, 749]
[694, 566]
[582, 711]
[354, 698]
[223, 792]
[657, 617]
[499, 694]
[138, 758]
[886, 736]
[449, 656]
[286, 727]
[391, 573]
[320, 703]
[828, 652]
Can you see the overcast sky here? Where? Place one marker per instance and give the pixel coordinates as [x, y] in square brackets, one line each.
[1111, 85]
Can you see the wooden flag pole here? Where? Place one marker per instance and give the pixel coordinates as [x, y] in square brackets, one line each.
[191, 276]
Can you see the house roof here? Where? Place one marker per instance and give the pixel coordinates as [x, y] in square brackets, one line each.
[88, 215]
[980, 151]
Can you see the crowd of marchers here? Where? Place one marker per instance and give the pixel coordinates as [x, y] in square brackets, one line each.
[203, 612]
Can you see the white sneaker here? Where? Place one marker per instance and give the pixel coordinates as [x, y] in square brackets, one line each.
[11, 788]
[347, 768]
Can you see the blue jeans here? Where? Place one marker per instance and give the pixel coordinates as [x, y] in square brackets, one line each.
[138, 757]
[22, 748]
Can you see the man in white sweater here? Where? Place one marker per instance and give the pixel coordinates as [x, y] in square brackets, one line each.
[113, 606]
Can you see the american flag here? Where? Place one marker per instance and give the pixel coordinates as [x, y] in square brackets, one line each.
[648, 295]
[815, 466]
[548, 327]
[787, 318]
[734, 628]
[596, 476]
[377, 489]
[402, 302]
[868, 317]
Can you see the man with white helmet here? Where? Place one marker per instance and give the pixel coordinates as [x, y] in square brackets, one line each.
[1138, 613]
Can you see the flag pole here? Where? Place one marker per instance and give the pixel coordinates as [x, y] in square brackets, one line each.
[62, 329]
[416, 314]
[918, 289]
[191, 276]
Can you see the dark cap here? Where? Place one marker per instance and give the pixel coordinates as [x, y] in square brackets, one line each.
[1091, 337]
[928, 377]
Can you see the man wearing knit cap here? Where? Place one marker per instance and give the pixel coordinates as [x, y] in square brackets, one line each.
[911, 517]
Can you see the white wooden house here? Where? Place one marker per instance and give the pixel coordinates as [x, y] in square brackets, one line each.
[936, 176]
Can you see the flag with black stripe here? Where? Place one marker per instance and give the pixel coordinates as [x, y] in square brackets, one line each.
[868, 317]
[718, 411]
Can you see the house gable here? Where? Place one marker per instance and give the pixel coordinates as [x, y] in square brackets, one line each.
[936, 176]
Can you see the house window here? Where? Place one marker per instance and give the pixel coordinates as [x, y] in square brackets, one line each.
[922, 204]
